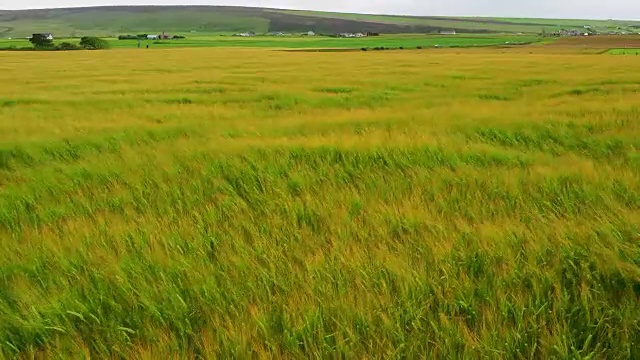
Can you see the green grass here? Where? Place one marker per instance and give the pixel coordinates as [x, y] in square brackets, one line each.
[391, 41]
[525, 25]
[243, 203]
[624, 52]
[111, 21]
[108, 23]
[322, 42]
[443, 23]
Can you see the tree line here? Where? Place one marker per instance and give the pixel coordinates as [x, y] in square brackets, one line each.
[42, 42]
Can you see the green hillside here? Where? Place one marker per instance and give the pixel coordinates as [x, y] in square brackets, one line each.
[114, 20]
[475, 24]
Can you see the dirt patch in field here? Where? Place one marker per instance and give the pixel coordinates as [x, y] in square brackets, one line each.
[598, 42]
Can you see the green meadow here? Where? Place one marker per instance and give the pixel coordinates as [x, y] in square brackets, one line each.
[624, 52]
[297, 42]
[243, 203]
[116, 20]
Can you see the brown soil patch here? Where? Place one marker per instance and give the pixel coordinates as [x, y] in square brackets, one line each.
[599, 42]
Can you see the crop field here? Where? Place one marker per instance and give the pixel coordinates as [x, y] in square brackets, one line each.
[395, 41]
[244, 203]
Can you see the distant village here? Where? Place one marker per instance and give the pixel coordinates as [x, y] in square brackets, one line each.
[588, 30]
[163, 36]
[310, 33]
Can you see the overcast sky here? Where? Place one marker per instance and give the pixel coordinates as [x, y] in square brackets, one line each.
[592, 9]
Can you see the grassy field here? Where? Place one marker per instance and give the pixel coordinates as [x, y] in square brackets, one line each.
[509, 25]
[112, 21]
[443, 22]
[409, 41]
[105, 22]
[395, 41]
[245, 203]
[624, 51]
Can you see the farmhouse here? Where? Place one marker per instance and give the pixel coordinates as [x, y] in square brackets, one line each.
[447, 32]
[569, 32]
[47, 36]
[247, 34]
[152, 37]
[352, 35]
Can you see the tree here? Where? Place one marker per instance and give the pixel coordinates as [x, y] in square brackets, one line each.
[41, 41]
[93, 43]
[68, 46]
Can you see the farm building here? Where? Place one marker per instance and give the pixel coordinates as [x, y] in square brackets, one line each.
[569, 32]
[447, 32]
[47, 36]
[247, 34]
[352, 35]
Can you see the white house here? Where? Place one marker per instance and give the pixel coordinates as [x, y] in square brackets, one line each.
[152, 37]
[247, 34]
[311, 33]
[47, 36]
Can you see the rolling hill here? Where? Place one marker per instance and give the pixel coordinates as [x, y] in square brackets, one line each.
[112, 20]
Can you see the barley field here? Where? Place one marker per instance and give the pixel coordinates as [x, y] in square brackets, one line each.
[237, 203]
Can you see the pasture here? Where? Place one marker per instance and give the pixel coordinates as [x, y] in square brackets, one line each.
[115, 20]
[297, 42]
[625, 51]
[236, 203]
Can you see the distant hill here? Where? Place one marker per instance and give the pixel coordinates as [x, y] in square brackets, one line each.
[114, 20]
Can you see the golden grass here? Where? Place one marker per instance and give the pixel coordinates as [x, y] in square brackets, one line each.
[244, 203]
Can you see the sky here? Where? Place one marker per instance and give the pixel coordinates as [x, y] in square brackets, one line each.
[580, 9]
